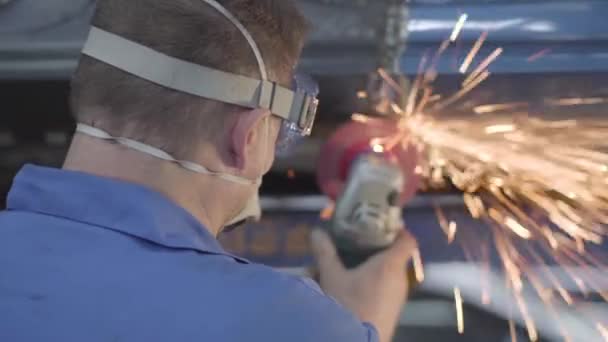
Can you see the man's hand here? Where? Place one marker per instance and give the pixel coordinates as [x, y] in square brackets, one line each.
[376, 290]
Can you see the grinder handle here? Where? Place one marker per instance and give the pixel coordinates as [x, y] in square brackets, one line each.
[353, 258]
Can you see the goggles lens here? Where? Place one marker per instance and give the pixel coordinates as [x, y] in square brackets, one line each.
[291, 133]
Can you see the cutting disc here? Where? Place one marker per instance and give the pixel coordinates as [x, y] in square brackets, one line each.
[355, 138]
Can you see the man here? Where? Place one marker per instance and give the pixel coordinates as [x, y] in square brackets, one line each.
[180, 105]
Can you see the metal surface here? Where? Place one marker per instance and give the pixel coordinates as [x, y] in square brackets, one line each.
[41, 40]
[27, 17]
[575, 31]
[393, 35]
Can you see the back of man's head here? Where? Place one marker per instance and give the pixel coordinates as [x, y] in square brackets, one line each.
[193, 31]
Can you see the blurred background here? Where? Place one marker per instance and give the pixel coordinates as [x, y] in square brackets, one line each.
[551, 49]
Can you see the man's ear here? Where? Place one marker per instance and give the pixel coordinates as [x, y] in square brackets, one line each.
[244, 135]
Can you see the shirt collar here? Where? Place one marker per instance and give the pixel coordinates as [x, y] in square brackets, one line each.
[111, 204]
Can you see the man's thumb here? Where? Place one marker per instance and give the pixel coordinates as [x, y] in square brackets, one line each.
[324, 251]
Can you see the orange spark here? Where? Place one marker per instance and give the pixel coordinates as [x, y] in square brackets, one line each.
[459, 311]
[474, 51]
[518, 228]
[492, 108]
[576, 101]
[378, 148]
[448, 228]
[359, 118]
[494, 129]
[458, 27]
[539, 55]
[530, 326]
[327, 212]
[418, 267]
[465, 90]
[452, 228]
[390, 81]
[512, 331]
[603, 330]
[483, 66]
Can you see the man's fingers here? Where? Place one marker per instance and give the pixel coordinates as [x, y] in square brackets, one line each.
[325, 253]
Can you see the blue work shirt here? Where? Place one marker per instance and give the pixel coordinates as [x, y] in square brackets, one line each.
[86, 258]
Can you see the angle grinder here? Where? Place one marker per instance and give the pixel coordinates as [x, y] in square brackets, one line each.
[370, 183]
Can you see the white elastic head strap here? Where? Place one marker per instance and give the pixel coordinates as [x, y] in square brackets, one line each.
[245, 33]
[155, 152]
[136, 59]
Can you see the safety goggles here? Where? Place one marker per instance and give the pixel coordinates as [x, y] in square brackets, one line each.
[291, 133]
[297, 107]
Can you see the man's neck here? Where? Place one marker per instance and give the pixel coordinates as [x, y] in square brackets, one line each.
[113, 161]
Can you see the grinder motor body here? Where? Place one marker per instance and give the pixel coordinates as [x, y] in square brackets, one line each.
[367, 215]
